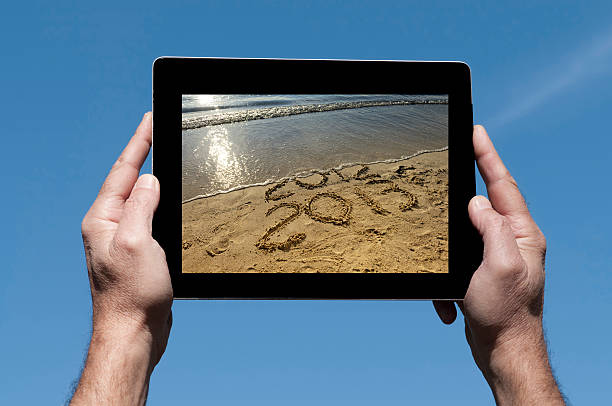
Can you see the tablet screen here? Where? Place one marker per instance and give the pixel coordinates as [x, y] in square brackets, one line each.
[314, 183]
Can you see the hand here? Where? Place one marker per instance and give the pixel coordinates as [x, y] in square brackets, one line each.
[503, 304]
[130, 284]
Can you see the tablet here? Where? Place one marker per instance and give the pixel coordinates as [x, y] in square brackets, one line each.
[314, 179]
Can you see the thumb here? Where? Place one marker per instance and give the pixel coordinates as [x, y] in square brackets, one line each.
[136, 219]
[501, 253]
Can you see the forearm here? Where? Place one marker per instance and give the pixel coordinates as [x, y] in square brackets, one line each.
[118, 367]
[519, 373]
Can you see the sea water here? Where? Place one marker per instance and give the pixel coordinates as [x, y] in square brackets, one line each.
[233, 141]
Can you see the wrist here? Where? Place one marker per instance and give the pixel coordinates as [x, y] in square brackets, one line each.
[125, 335]
[518, 372]
[118, 367]
[143, 328]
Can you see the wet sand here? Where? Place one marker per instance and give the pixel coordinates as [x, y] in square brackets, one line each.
[384, 217]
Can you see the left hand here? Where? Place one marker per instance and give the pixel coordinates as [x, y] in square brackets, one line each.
[128, 274]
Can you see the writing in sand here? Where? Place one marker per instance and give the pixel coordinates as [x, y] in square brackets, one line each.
[387, 217]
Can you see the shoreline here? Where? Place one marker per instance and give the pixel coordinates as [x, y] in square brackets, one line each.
[305, 174]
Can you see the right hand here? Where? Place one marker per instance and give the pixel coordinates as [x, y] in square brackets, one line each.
[504, 301]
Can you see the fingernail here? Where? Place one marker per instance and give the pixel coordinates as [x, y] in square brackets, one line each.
[146, 115]
[146, 182]
[481, 202]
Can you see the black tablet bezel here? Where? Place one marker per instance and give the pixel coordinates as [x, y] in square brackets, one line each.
[173, 77]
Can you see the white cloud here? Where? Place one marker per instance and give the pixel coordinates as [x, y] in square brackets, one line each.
[583, 63]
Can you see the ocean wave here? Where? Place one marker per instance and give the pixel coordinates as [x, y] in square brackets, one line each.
[284, 111]
[308, 173]
[237, 105]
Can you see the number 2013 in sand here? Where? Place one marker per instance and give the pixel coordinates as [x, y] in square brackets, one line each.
[264, 242]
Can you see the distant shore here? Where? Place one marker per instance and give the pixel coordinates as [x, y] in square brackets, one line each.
[383, 217]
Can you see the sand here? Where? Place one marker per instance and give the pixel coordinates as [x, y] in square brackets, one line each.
[388, 218]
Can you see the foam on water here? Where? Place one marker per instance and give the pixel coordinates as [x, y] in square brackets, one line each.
[284, 111]
[305, 174]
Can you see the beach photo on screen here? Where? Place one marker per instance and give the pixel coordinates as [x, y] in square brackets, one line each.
[315, 183]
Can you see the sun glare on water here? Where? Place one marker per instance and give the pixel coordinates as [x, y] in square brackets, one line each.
[227, 167]
[207, 100]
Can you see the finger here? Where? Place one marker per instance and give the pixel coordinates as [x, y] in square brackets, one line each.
[446, 311]
[136, 220]
[460, 306]
[123, 174]
[506, 198]
[501, 253]
[501, 186]
[120, 181]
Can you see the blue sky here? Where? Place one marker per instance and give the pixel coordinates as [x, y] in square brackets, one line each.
[76, 79]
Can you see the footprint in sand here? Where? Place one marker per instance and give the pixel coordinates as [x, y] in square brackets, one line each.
[218, 247]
